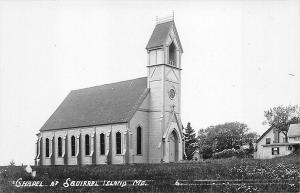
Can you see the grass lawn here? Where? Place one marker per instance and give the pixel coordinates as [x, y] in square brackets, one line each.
[222, 175]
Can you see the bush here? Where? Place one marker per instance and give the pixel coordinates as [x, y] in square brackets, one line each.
[280, 174]
[226, 153]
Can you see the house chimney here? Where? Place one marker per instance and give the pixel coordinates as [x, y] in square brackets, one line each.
[276, 135]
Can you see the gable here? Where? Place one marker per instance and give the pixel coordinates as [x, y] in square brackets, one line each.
[105, 104]
[173, 119]
[264, 134]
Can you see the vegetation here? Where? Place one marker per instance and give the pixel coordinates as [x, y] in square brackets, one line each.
[281, 117]
[232, 135]
[218, 175]
[226, 153]
[190, 141]
[12, 163]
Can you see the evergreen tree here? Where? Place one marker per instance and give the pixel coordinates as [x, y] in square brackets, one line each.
[190, 141]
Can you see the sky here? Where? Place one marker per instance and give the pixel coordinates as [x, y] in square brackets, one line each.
[240, 58]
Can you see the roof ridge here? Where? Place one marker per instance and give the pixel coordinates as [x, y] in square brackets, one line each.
[108, 84]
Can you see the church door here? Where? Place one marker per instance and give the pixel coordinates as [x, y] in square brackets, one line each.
[173, 147]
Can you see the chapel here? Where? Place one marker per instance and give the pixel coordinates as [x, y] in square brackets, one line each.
[132, 121]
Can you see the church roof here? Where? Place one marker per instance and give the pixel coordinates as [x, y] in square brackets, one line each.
[160, 34]
[99, 105]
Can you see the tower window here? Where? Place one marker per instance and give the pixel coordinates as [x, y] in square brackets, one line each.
[73, 146]
[59, 146]
[118, 143]
[87, 144]
[172, 54]
[102, 144]
[47, 147]
[139, 140]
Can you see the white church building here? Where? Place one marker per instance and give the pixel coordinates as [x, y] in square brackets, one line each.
[133, 121]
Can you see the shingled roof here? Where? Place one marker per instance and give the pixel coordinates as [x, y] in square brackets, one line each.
[160, 34]
[100, 105]
[294, 130]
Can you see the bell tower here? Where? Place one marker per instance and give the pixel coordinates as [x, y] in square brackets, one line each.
[164, 52]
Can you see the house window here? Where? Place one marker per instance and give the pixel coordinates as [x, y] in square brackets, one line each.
[102, 144]
[73, 146]
[87, 144]
[275, 151]
[284, 140]
[118, 143]
[47, 147]
[139, 140]
[268, 140]
[59, 146]
[290, 148]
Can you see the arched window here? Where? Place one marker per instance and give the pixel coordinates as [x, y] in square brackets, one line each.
[139, 140]
[102, 144]
[47, 147]
[87, 144]
[73, 146]
[59, 146]
[118, 143]
[172, 54]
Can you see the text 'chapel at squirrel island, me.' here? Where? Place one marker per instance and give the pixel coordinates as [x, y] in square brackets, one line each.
[133, 121]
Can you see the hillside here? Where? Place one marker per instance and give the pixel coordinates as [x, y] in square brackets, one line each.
[223, 175]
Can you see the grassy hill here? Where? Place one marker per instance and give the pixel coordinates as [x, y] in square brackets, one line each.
[222, 175]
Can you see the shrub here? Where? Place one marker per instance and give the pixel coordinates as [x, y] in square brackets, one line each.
[226, 153]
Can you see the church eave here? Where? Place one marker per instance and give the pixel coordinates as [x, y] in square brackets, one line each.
[155, 48]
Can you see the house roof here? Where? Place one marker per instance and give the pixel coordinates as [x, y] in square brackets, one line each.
[294, 130]
[99, 105]
[265, 133]
[160, 34]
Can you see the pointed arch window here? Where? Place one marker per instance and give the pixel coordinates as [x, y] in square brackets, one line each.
[73, 146]
[102, 144]
[172, 54]
[47, 147]
[118, 143]
[87, 144]
[59, 147]
[139, 140]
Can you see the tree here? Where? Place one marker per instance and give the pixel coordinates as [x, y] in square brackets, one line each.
[249, 139]
[281, 117]
[190, 141]
[225, 136]
[205, 147]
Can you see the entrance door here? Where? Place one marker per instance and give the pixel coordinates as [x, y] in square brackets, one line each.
[173, 142]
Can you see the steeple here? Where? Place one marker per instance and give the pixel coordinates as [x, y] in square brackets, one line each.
[164, 46]
[164, 52]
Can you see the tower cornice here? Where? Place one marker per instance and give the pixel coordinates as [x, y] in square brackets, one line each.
[165, 65]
